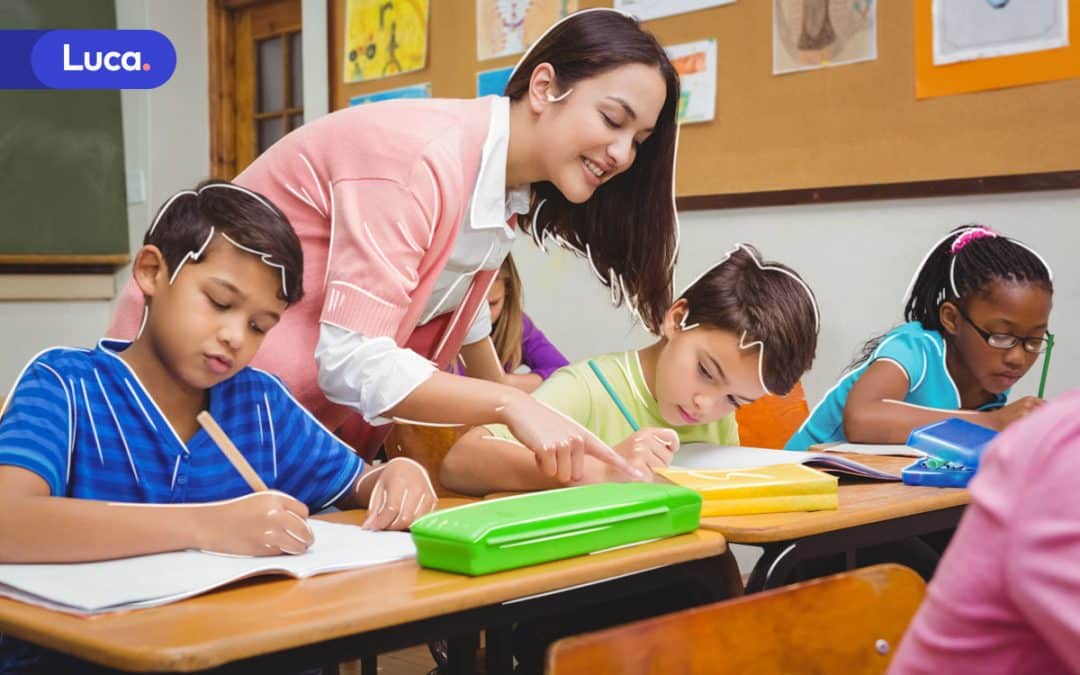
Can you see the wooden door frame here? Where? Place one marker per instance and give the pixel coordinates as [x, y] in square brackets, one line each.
[221, 38]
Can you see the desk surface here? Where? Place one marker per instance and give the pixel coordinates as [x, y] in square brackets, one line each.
[268, 614]
[861, 502]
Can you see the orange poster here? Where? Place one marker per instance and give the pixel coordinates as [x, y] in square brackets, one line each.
[990, 73]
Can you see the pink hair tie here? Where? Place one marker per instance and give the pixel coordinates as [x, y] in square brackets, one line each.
[968, 236]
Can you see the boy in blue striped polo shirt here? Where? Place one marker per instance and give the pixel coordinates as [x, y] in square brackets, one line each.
[100, 453]
[90, 434]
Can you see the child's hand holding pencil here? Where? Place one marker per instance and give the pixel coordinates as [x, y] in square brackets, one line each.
[266, 522]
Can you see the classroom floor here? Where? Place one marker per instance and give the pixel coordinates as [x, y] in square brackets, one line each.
[412, 661]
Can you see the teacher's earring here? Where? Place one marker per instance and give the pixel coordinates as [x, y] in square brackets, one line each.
[556, 99]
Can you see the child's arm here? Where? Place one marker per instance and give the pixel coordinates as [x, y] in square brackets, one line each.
[316, 467]
[875, 411]
[36, 527]
[538, 353]
[481, 361]
[445, 398]
[480, 463]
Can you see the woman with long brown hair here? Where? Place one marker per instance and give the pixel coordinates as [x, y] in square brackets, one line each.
[406, 209]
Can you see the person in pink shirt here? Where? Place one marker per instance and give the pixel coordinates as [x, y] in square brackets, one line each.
[406, 209]
[1006, 595]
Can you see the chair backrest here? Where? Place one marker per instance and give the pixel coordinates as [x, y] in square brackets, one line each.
[427, 445]
[847, 623]
[771, 420]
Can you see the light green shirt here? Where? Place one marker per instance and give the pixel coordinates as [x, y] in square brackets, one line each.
[576, 392]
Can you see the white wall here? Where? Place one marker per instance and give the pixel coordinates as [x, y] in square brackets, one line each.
[167, 138]
[858, 258]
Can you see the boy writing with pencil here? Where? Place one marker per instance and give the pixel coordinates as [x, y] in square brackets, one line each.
[743, 329]
[100, 452]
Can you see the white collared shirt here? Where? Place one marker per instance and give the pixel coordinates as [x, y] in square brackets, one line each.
[373, 375]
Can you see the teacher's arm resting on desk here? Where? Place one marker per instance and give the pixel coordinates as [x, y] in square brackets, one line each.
[875, 411]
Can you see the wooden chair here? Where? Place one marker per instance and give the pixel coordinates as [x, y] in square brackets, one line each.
[771, 420]
[847, 623]
[427, 445]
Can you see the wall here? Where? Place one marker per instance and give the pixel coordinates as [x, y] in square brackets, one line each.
[858, 258]
[166, 139]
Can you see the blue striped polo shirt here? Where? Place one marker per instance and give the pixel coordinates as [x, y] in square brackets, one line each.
[81, 420]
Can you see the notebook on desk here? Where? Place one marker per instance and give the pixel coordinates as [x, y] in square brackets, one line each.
[707, 456]
[870, 449]
[768, 489]
[151, 580]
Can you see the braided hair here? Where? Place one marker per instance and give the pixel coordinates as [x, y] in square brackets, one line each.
[962, 265]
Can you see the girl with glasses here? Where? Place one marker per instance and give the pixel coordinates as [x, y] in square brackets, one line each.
[977, 316]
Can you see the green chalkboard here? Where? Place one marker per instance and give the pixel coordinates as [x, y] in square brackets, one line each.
[62, 190]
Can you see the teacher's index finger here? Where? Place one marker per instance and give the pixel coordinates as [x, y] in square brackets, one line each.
[601, 451]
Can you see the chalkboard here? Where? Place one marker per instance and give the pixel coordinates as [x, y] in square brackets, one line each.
[62, 189]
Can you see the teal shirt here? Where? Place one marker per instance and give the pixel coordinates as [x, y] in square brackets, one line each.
[918, 352]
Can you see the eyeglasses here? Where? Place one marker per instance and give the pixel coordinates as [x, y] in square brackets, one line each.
[1032, 345]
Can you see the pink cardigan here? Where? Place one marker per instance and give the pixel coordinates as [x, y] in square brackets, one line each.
[376, 194]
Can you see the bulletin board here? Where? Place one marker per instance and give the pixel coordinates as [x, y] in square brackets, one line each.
[838, 133]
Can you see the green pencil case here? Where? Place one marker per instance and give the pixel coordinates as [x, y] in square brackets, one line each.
[501, 534]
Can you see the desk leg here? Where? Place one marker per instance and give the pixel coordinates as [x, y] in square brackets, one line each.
[461, 654]
[774, 566]
[778, 561]
[499, 649]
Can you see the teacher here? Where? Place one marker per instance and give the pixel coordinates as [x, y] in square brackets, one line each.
[406, 210]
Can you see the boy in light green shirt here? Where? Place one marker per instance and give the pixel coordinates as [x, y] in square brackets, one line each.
[576, 392]
[744, 329]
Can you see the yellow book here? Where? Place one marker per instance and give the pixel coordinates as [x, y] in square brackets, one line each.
[767, 489]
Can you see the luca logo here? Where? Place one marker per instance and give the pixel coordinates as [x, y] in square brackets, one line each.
[103, 59]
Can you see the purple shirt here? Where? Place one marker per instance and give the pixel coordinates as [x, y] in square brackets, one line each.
[542, 357]
[1006, 596]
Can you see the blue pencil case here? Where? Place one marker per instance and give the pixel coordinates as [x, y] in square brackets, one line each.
[953, 448]
[921, 474]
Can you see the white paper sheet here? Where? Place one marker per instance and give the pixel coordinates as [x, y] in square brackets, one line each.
[706, 456]
[150, 580]
[654, 9]
[965, 30]
[696, 65]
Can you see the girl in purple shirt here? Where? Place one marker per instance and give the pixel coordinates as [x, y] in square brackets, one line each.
[517, 339]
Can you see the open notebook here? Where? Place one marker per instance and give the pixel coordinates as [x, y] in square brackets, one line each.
[151, 580]
[872, 449]
[706, 456]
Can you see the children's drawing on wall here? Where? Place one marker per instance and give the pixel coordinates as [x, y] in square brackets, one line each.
[696, 65]
[384, 38]
[811, 34]
[422, 90]
[965, 30]
[510, 26]
[654, 9]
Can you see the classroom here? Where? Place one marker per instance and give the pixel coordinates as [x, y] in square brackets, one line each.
[846, 162]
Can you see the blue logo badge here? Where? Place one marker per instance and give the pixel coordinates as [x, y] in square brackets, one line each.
[93, 59]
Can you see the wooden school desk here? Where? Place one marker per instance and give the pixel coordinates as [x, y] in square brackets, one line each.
[271, 624]
[870, 513]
